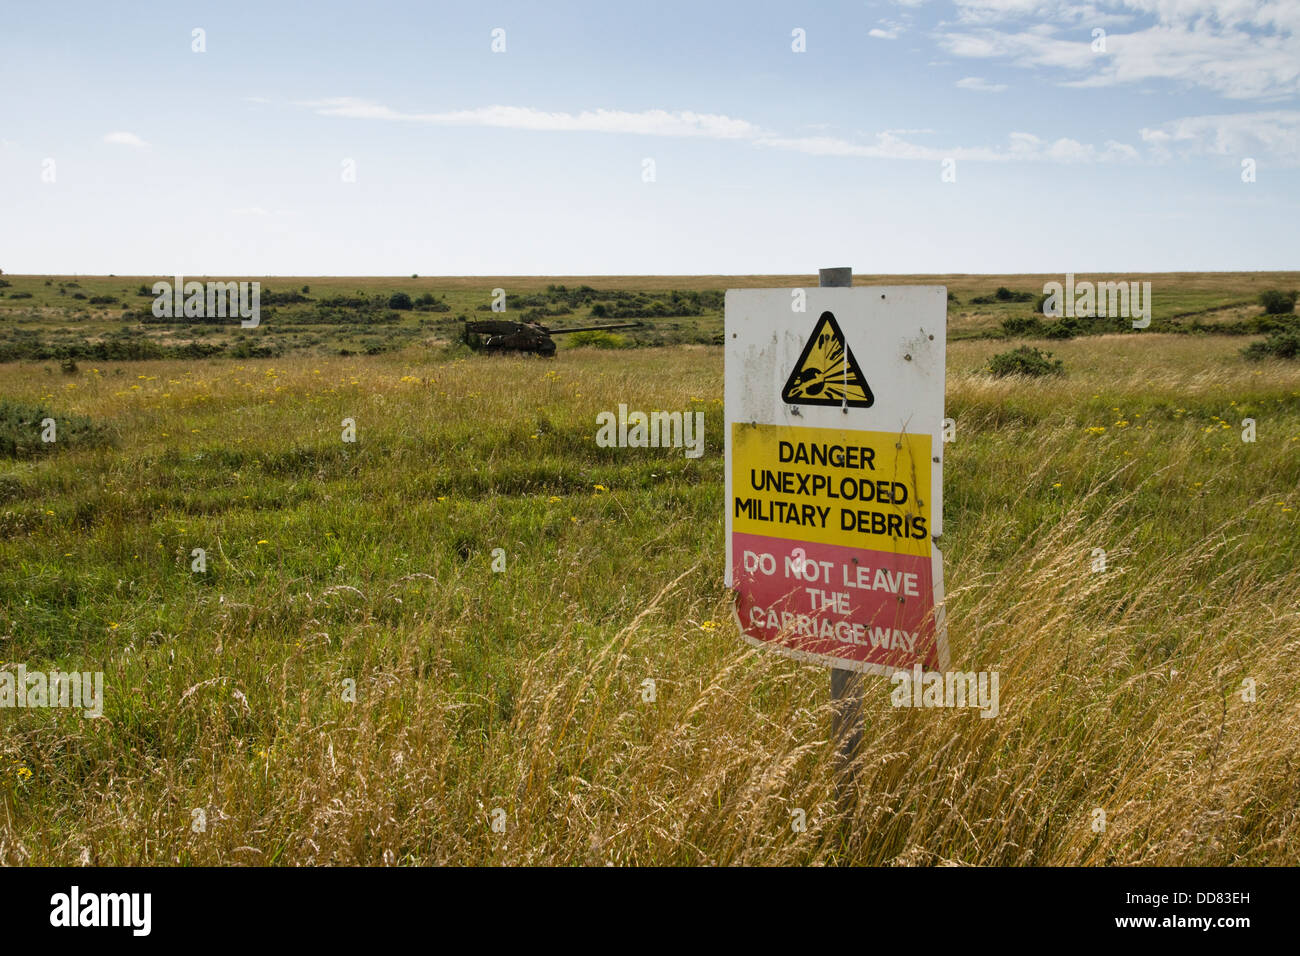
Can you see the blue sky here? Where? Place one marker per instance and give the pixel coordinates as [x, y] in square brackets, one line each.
[531, 161]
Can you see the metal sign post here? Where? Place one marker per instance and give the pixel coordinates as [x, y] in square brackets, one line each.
[846, 685]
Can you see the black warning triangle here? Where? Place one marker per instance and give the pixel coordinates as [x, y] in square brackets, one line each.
[827, 373]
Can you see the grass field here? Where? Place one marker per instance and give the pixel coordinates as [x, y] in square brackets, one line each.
[231, 733]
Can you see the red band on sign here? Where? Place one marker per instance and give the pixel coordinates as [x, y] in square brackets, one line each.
[872, 607]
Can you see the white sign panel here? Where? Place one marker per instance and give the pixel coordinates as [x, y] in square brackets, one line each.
[834, 400]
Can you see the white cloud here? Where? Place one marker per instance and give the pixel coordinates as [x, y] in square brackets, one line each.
[888, 144]
[889, 29]
[645, 123]
[1046, 11]
[123, 138]
[885, 146]
[980, 85]
[1241, 49]
[1033, 47]
[1274, 133]
[1021, 147]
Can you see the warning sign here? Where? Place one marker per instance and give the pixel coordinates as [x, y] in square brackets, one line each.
[834, 491]
[827, 373]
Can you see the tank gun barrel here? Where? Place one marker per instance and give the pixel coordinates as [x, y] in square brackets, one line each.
[594, 328]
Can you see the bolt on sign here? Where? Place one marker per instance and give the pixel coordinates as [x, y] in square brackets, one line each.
[835, 473]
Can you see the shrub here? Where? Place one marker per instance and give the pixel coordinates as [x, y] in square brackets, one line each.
[1025, 360]
[20, 431]
[69, 366]
[427, 303]
[1066, 328]
[244, 348]
[20, 295]
[103, 300]
[1267, 323]
[399, 300]
[1276, 302]
[1284, 343]
[1003, 295]
[1022, 325]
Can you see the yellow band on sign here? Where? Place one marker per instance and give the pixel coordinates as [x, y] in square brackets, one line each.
[859, 489]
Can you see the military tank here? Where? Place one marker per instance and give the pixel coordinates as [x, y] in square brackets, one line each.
[505, 335]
